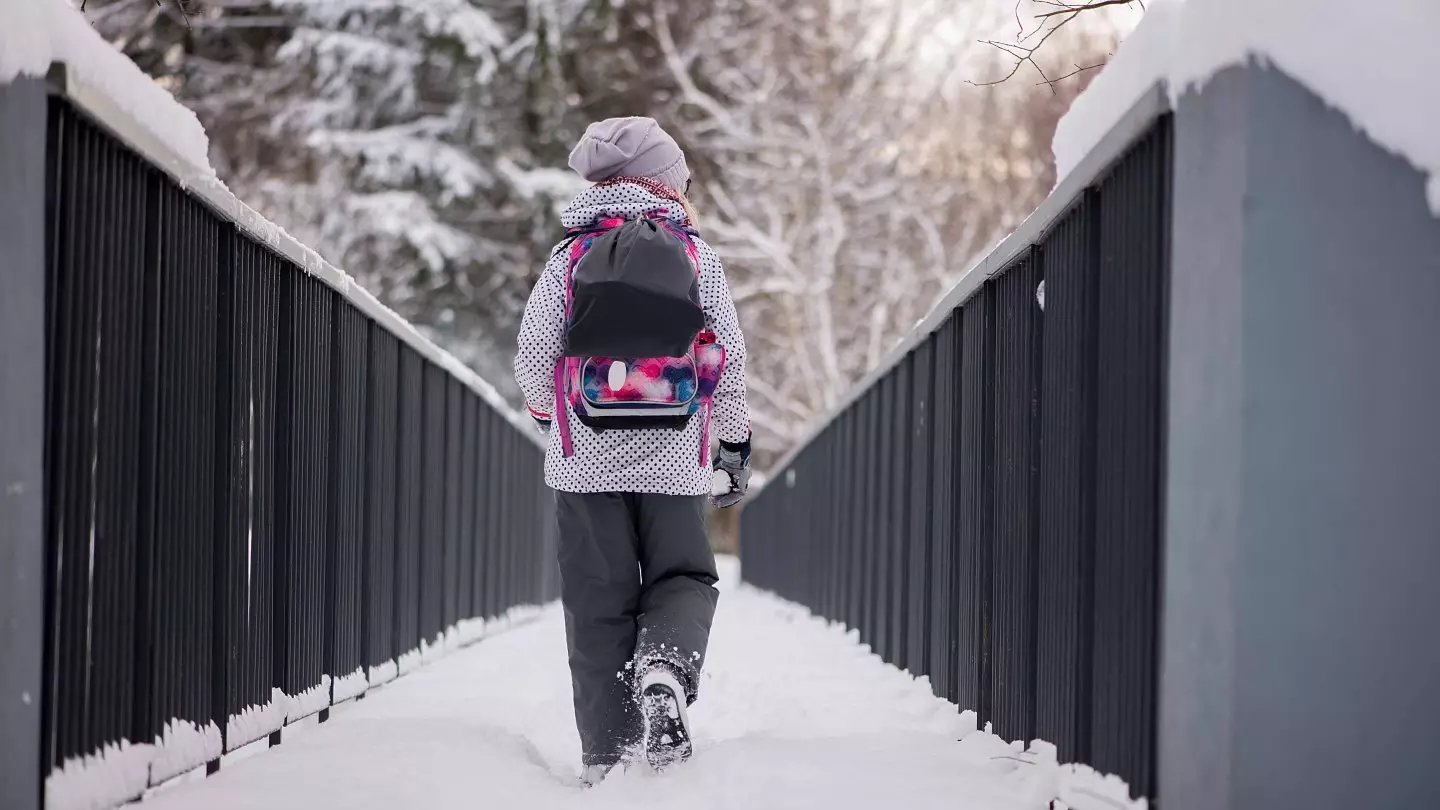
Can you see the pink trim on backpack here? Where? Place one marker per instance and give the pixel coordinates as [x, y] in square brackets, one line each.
[562, 417]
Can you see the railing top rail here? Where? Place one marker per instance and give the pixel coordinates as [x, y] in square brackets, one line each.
[1153, 104]
[123, 125]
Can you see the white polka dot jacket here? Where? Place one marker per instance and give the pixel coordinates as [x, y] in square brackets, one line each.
[665, 461]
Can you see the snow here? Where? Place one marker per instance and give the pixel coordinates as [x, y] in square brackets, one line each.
[470, 630]
[35, 33]
[182, 746]
[1373, 63]
[793, 713]
[559, 185]
[720, 483]
[391, 155]
[349, 686]
[310, 701]
[384, 673]
[432, 650]
[409, 662]
[101, 780]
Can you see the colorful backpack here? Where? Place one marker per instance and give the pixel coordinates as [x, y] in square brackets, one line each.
[636, 354]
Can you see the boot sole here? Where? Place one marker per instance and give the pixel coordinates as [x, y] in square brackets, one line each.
[667, 732]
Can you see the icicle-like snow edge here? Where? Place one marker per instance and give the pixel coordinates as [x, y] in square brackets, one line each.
[309, 702]
[409, 662]
[183, 746]
[256, 722]
[116, 773]
[383, 673]
[121, 771]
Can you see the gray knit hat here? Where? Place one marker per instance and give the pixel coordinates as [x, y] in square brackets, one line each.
[629, 147]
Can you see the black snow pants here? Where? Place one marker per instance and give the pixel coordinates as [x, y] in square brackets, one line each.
[637, 581]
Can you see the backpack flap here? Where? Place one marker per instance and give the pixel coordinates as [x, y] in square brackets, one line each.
[634, 292]
[635, 393]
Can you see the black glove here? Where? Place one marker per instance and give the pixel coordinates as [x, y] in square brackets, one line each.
[731, 479]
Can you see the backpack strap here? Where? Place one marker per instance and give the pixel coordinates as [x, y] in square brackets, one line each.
[577, 237]
[687, 236]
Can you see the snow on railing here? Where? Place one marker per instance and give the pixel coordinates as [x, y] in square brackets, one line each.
[1369, 60]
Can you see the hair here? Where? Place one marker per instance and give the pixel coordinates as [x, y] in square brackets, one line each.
[689, 207]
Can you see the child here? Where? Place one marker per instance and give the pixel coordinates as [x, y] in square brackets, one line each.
[628, 452]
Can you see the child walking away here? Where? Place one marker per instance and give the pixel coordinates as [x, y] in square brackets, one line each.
[630, 358]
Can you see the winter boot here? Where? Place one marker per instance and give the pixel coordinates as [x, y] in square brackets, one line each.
[667, 728]
[594, 774]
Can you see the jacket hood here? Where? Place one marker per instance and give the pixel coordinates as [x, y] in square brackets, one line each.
[627, 200]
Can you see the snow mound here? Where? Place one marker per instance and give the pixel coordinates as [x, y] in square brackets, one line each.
[255, 722]
[384, 673]
[408, 662]
[1371, 61]
[349, 686]
[310, 701]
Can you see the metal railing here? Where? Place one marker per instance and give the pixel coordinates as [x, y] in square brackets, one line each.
[263, 493]
[985, 509]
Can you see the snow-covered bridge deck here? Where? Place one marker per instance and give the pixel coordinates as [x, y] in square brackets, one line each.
[794, 714]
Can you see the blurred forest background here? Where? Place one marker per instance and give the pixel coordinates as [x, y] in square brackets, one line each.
[851, 157]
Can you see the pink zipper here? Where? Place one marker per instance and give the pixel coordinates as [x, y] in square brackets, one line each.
[562, 416]
[705, 432]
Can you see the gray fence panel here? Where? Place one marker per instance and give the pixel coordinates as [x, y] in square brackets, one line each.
[178, 490]
[23, 231]
[94, 438]
[346, 554]
[1303, 455]
[945, 590]
[1130, 347]
[307, 310]
[976, 502]
[918, 550]
[1066, 544]
[382, 499]
[245, 561]
[1016, 438]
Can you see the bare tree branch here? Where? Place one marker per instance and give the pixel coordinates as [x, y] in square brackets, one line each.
[1048, 23]
[1076, 9]
[1076, 72]
[180, 4]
